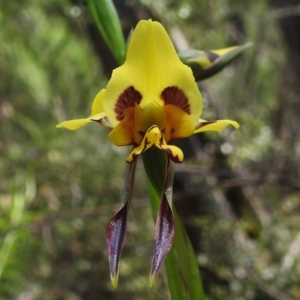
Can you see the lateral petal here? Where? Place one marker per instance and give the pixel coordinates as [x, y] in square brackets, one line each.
[125, 133]
[73, 124]
[214, 125]
[96, 115]
[179, 125]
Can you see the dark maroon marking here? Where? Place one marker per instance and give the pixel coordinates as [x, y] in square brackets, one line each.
[175, 96]
[170, 153]
[128, 98]
[115, 238]
[135, 156]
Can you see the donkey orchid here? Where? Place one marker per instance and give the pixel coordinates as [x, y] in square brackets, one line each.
[151, 100]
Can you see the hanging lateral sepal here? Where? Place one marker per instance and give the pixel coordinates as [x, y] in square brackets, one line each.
[116, 229]
[164, 226]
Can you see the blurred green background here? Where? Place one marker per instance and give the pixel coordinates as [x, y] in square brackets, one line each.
[238, 192]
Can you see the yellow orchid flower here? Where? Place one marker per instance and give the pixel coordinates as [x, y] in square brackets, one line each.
[151, 100]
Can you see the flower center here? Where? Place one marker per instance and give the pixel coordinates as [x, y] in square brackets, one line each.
[148, 116]
[169, 111]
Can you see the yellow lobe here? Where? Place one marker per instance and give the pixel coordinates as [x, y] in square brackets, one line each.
[151, 66]
[126, 133]
[174, 153]
[179, 124]
[97, 113]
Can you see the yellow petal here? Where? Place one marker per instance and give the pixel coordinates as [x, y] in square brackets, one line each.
[179, 124]
[96, 115]
[215, 125]
[151, 66]
[97, 106]
[73, 124]
[174, 153]
[125, 133]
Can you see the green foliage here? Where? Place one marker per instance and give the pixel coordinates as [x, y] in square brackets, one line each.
[107, 20]
[58, 189]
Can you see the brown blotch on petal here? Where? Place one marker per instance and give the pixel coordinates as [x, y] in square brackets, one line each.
[175, 96]
[128, 98]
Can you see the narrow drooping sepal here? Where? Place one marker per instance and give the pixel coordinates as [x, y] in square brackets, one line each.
[164, 234]
[116, 229]
[115, 237]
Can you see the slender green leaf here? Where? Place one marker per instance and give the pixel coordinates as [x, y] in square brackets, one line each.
[188, 263]
[109, 26]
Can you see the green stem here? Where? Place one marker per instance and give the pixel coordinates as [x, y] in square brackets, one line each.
[173, 275]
